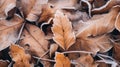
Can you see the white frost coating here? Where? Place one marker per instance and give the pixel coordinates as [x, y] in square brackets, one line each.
[104, 6]
[9, 7]
[89, 6]
[32, 17]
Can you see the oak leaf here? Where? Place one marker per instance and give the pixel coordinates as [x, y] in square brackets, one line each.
[62, 30]
[19, 56]
[9, 30]
[61, 60]
[34, 42]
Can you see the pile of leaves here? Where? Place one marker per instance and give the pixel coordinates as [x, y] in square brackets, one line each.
[59, 33]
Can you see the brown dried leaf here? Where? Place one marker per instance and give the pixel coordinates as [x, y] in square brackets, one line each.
[117, 23]
[9, 30]
[32, 8]
[4, 63]
[106, 7]
[61, 60]
[6, 6]
[96, 44]
[85, 61]
[34, 42]
[62, 30]
[19, 56]
[66, 4]
[101, 25]
[53, 48]
[116, 51]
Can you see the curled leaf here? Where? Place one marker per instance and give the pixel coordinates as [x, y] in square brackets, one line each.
[101, 25]
[6, 6]
[106, 7]
[53, 48]
[62, 30]
[61, 60]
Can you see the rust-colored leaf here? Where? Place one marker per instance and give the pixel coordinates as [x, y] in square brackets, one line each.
[34, 42]
[61, 60]
[62, 30]
[9, 30]
[85, 61]
[6, 6]
[19, 56]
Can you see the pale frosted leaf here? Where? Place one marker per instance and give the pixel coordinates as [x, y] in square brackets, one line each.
[85, 61]
[53, 48]
[106, 7]
[117, 23]
[101, 25]
[6, 6]
[34, 42]
[9, 30]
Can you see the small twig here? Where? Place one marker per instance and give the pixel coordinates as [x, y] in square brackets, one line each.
[44, 59]
[45, 54]
[77, 52]
[21, 30]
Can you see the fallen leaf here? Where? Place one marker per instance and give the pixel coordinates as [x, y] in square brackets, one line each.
[53, 48]
[32, 8]
[116, 53]
[66, 4]
[4, 63]
[106, 7]
[117, 23]
[6, 6]
[35, 42]
[101, 25]
[61, 60]
[85, 61]
[19, 56]
[62, 30]
[96, 44]
[9, 30]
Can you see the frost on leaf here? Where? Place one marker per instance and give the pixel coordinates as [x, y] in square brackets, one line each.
[85, 61]
[62, 30]
[34, 42]
[61, 60]
[6, 6]
[19, 56]
[9, 30]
